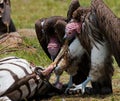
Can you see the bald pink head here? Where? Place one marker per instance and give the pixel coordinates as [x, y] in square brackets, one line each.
[73, 28]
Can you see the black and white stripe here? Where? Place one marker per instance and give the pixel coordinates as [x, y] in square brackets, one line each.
[18, 80]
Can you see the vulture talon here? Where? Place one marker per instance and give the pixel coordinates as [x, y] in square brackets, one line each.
[78, 89]
[81, 87]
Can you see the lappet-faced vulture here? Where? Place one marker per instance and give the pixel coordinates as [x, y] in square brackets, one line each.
[94, 40]
[6, 23]
[50, 32]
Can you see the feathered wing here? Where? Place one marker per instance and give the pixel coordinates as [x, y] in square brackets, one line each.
[41, 36]
[109, 24]
[72, 7]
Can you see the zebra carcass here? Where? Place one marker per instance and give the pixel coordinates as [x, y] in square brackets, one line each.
[20, 80]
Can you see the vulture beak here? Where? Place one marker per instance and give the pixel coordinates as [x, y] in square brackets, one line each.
[52, 57]
[65, 37]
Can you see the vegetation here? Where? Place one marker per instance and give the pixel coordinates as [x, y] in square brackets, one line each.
[26, 12]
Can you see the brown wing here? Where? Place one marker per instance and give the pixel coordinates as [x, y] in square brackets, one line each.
[41, 35]
[73, 6]
[109, 24]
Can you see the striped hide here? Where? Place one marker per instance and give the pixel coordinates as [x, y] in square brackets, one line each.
[18, 80]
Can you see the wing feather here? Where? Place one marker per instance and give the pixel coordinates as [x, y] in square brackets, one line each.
[109, 24]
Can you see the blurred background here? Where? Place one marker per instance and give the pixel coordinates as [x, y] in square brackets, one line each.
[25, 12]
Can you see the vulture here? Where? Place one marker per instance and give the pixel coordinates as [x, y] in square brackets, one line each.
[88, 24]
[84, 26]
[50, 32]
[6, 23]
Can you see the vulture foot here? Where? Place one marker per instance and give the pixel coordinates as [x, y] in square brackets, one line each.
[79, 88]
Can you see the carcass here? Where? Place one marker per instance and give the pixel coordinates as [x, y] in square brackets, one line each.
[20, 80]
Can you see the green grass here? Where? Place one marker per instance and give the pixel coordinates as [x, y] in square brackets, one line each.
[26, 12]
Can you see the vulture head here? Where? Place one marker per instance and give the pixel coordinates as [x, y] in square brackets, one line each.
[72, 29]
[50, 32]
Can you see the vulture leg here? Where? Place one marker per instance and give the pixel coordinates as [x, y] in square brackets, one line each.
[81, 86]
[70, 84]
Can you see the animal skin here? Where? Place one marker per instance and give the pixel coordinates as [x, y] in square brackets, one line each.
[20, 80]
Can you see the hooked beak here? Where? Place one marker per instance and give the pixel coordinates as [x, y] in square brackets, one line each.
[52, 58]
[65, 37]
